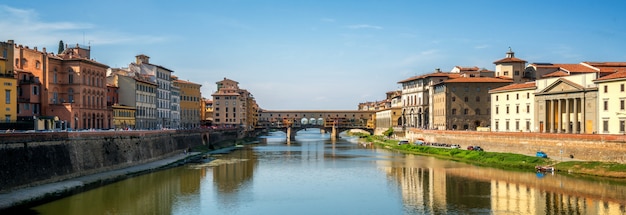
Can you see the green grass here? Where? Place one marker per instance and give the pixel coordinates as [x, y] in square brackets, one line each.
[482, 158]
[507, 160]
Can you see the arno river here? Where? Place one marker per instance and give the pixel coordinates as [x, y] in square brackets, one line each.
[314, 175]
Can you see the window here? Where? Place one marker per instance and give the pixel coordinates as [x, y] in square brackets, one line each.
[606, 88]
[622, 126]
[465, 111]
[496, 98]
[453, 98]
[466, 99]
[621, 87]
[517, 96]
[477, 98]
[496, 110]
[453, 111]
[527, 108]
[517, 109]
[507, 97]
[606, 105]
[527, 125]
[507, 109]
[497, 125]
[605, 126]
[35, 90]
[517, 125]
[507, 125]
[7, 94]
[527, 95]
[621, 104]
[516, 72]
[477, 111]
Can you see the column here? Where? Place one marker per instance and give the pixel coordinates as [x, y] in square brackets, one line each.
[550, 121]
[559, 114]
[576, 131]
[567, 115]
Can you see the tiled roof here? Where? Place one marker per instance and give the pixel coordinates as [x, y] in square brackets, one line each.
[558, 73]
[186, 82]
[509, 60]
[527, 85]
[467, 68]
[434, 74]
[477, 80]
[613, 76]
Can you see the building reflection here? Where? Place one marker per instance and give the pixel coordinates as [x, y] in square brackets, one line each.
[469, 189]
[236, 171]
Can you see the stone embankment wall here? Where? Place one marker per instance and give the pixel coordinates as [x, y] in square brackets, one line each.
[37, 158]
[591, 147]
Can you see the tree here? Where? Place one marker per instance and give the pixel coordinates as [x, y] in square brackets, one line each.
[61, 47]
[388, 132]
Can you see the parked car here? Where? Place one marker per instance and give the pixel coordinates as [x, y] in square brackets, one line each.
[475, 148]
[541, 154]
[402, 142]
[455, 146]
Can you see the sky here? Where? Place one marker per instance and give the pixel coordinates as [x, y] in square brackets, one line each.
[320, 55]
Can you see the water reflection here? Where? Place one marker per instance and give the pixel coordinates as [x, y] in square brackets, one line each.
[323, 176]
[470, 189]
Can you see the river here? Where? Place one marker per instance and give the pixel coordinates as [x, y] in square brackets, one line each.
[316, 175]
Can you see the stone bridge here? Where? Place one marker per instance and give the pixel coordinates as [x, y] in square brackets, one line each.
[333, 121]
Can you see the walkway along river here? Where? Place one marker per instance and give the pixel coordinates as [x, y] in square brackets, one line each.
[316, 175]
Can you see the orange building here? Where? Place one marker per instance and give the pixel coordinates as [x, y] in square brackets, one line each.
[69, 88]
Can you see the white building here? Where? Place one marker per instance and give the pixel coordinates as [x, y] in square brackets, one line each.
[513, 107]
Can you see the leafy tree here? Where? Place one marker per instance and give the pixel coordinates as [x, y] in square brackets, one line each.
[61, 47]
[388, 132]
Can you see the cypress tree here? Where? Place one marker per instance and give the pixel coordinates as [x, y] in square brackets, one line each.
[61, 47]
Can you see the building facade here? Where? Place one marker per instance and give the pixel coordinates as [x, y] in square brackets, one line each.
[464, 103]
[513, 108]
[612, 99]
[9, 85]
[162, 77]
[190, 103]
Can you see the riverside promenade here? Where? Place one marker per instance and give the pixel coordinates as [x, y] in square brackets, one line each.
[42, 193]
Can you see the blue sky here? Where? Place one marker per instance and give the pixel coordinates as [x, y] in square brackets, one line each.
[328, 55]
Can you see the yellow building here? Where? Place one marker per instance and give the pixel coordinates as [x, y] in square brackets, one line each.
[8, 85]
[123, 117]
[207, 114]
[612, 104]
[190, 103]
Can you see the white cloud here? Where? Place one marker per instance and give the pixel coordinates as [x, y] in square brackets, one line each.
[364, 26]
[24, 27]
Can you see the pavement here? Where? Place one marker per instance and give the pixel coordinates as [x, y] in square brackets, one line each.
[24, 196]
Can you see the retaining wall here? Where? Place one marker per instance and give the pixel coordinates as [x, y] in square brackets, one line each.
[28, 159]
[591, 147]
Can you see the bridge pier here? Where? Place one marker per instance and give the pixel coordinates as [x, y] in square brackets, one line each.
[333, 134]
[290, 135]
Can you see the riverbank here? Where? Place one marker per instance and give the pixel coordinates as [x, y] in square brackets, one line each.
[508, 160]
[22, 199]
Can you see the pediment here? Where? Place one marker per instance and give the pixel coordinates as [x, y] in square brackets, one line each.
[562, 85]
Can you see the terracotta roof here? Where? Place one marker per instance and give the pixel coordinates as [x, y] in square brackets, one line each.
[509, 60]
[477, 80]
[570, 67]
[467, 68]
[434, 74]
[558, 73]
[613, 76]
[527, 85]
[225, 94]
[606, 64]
[186, 82]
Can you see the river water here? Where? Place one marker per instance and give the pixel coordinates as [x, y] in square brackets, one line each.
[316, 175]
